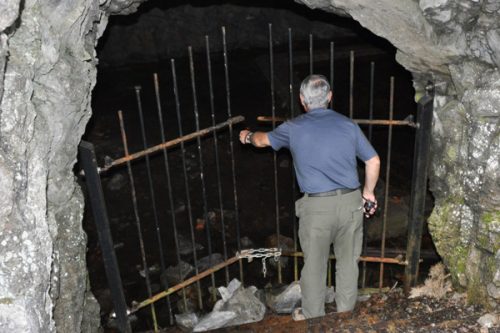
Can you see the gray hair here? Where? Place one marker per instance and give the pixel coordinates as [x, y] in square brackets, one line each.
[315, 89]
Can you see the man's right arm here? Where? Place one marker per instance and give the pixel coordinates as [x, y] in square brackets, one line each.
[258, 139]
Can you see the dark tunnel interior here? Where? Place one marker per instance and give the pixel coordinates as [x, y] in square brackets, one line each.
[200, 192]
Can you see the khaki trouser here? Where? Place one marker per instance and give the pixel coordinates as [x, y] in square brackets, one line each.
[325, 220]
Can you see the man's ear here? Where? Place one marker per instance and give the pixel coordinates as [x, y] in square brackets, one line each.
[302, 102]
[330, 96]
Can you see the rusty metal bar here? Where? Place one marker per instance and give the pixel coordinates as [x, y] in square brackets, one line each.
[397, 252]
[332, 67]
[275, 162]
[311, 55]
[385, 122]
[169, 180]
[332, 70]
[231, 148]
[216, 152]
[137, 218]
[351, 84]
[370, 131]
[398, 260]
[372, 94]
[184, 284]
[416, 216]
[228, 123]
[294, 187]
[387, 181]
[100, 214]
[186, 183]
[163, 281]
[381, 122]
[202, 169]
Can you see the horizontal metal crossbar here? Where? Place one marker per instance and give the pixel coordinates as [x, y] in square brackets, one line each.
[397, 260]
[184, 284]
[406, 122]
[171, 143]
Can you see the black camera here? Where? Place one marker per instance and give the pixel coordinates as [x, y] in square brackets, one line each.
[368, 206]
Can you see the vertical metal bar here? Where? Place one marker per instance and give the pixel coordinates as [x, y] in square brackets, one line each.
[370, 130]
[169, 182]
[202, 171]
[351, 84]
[387, 181]
[137, 218]
[231, 147]
[275, 162]
[186, 183]
[217, 160]
[99, 212]
[372, 91]
[332, 70]
[294, 189]
[311, 54]
[332, 73]
[418, 189]
[152, 194]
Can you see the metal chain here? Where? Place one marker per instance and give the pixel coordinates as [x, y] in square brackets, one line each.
[263, 253]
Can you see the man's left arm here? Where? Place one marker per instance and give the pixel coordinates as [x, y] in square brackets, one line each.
[257, 139]
[372, 170]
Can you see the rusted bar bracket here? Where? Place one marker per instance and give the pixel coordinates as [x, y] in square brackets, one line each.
[171, 143]
[397, 260]
[183, 284]
[418, 189]
[406, 122]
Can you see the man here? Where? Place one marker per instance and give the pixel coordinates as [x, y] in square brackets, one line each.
[324, 146]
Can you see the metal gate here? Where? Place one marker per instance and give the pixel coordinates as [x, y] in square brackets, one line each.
[141, 160]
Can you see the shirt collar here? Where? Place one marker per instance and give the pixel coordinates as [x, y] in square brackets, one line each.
[318, 110]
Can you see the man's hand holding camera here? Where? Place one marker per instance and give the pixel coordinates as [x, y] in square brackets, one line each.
[369, 204]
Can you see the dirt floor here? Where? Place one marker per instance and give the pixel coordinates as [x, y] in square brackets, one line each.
[389, 312]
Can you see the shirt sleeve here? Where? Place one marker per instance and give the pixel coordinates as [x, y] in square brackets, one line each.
[280, 136]
[364, 149]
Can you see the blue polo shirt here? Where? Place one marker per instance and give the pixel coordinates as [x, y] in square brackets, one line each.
[324, 146]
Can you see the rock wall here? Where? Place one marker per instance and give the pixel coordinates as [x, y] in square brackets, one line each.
[47, 72]
[166, 31]
[456, 45]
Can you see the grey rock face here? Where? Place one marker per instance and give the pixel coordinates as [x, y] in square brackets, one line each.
[246, 305]
[176, 274]
[238, 306]
[122, 7]
[10, 12]
[186, 321]
[167, 33]
[454, 44]
[186, 246]
[214, 320]
[209, 261]
[286, 301]
[47, 71]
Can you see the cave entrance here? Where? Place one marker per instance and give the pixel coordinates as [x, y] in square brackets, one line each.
[184, 197]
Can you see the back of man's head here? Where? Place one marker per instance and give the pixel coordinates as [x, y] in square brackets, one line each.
[314, 90]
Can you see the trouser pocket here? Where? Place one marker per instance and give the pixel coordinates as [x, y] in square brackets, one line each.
[298, 204]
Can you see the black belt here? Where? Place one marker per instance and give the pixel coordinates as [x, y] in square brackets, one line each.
[339, 191]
